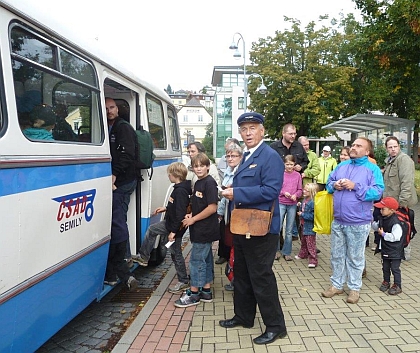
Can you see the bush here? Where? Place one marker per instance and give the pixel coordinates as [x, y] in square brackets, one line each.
[380, 156]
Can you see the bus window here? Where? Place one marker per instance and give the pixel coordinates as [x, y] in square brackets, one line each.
[52, 83]
[156, 122]
[173, 130]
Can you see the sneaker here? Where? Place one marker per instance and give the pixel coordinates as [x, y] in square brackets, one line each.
[394, 290]
[187, 299]
[330, 292]
[229, 287]
[373, 248]
[384, 286]
[353, 297]
[178, 288]
[277, 256]
[206, 297]
[111, 282]
[298, 258]
[288, 258]
[130, 262]
[311, 265]
[140, 260]
[220, 260]
[364, 273]
[132, 283]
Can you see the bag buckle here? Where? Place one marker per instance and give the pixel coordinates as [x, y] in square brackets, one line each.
[248, 235]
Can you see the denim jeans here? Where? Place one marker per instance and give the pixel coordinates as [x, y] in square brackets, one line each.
[288, 211]
[201, 264]
[348, 245]
[150, 238]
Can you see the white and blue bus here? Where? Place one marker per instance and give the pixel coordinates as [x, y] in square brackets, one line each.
[55, 194]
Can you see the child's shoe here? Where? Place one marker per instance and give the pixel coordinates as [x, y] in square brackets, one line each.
[311, 265]
[384, 286]
[277, 256]
[178, 288]
[188, 299]
[206, 297]
[394, 290]
[140, 260]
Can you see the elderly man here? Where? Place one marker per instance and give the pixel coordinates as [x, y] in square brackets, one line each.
[288, 145]
[355, 184]
[256, 184]
[313, 168]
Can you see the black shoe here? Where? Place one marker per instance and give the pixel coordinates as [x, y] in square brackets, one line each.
[318, 251]
[269, 337]
[232, 323]
[220, 260]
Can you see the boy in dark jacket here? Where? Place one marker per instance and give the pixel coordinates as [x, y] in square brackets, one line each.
[171, 226]
[391, 244]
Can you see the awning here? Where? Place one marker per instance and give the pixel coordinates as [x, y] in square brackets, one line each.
[366, 122]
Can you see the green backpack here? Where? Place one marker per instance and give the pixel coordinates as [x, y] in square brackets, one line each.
[144, 150]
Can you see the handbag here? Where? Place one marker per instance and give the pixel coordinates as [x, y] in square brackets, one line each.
[250, 221]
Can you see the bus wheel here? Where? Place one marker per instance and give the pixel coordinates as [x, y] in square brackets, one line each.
[159, 255]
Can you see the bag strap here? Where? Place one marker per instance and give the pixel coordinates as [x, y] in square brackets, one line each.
[271, 211]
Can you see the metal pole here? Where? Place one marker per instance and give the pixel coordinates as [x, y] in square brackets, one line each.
[245, 79]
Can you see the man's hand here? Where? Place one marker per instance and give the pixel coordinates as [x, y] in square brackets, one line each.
[297, 167]
[228, 193]
[159, 210]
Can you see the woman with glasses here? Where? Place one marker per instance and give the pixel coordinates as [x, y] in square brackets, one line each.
[233, 158]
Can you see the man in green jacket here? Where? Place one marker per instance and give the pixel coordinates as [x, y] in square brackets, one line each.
[313, 168]
[327, 164]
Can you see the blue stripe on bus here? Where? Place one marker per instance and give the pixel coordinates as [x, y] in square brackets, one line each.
[163, 162]
[32, 317]
[18, 180]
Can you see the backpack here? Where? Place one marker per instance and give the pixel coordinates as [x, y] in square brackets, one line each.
[144, 151]
[406, 217]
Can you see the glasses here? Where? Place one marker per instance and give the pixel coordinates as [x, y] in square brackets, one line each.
[232, 156]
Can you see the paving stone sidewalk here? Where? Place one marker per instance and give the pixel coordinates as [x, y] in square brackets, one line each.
[378, 323]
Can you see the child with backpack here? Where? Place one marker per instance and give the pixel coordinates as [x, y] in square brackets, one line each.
[391, 244]
[171, 226]
[306, 214]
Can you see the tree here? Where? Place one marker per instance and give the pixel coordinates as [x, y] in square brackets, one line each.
[389, 59]
[309, 83]
[169, 89]
[208, 141]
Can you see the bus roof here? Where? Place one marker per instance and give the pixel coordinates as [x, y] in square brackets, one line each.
[40, 18]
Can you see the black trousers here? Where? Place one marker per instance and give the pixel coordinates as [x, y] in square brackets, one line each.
[116, 265]
[394, 266]
[255, 282]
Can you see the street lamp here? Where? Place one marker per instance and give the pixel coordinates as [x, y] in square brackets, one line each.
[262, 88]
[235, 46]
[237, 54]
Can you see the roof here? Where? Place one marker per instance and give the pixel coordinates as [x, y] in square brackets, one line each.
[366, 122]
[193, 102]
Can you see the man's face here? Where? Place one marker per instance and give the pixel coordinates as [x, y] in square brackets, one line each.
[305, 144]
[192, 151]
[289, 135]
[111, 109]
[325, 153]
[359, 149]
[393, 148]
[251, 133]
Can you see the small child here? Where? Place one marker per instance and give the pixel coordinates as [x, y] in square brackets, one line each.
[290, 192]
[391, 244]
[306, 214]
[204, 229]
[171, 226]
[43, 119]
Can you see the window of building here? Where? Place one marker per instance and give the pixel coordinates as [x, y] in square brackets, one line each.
[200, 118]
[241, 102]
[185, 118]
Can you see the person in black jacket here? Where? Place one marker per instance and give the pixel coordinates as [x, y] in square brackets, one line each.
[288, 145]
[171, 227]
[122, 140]
[391, 244]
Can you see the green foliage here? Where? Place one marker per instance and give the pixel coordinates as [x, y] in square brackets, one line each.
[309, 75]
[380, 155]
[208, 141]
[169, 89]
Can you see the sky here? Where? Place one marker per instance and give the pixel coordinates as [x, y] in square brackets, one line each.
[177, 42]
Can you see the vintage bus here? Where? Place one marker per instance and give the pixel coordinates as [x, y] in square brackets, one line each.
[55, 193]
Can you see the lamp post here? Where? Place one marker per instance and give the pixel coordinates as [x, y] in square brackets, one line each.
[235, 46]
[237, 54]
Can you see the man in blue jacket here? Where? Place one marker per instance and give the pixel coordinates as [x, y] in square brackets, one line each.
[257, 184]
[355, 184]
